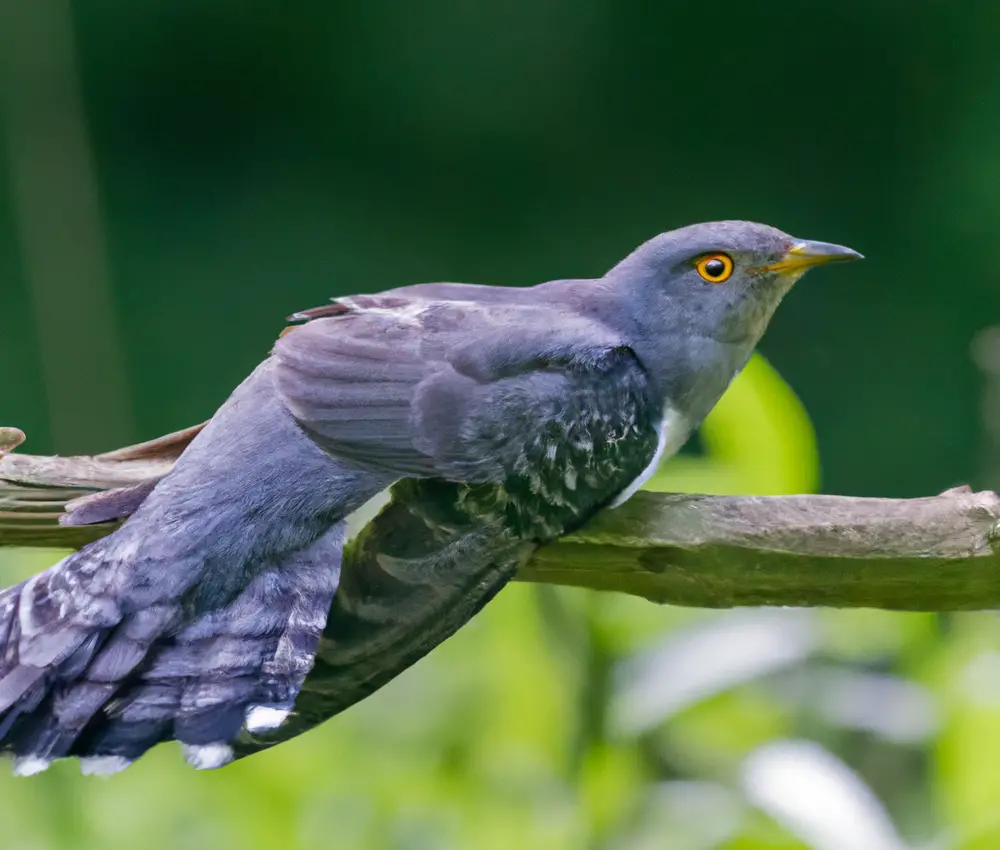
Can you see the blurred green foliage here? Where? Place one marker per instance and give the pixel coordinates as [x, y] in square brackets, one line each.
[566, 719]
[181, 175]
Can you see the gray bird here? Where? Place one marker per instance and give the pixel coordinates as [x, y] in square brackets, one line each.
[219, 614]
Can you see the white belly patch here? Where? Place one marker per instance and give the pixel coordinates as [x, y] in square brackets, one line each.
[673, 431]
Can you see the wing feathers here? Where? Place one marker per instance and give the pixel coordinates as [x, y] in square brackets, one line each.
[437, 389]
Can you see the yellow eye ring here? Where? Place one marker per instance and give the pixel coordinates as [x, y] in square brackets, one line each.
[716, 268]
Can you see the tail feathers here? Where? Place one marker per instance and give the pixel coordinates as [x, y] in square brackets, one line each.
[64, 654]
[107, 505]
[107, 691]
[40, 650]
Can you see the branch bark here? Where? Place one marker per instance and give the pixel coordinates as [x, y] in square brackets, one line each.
[931, 554]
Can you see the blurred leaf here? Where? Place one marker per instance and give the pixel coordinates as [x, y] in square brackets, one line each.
[610, 779]
[818, 798]
[967, 673]
[705, 659]
[710, 739]
[869, 636]
[695, 815]
[891, 707]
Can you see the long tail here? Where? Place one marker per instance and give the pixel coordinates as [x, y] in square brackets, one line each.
[199, 616]
[80, 676]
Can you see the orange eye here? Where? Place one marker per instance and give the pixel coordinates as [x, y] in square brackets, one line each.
[716, 268]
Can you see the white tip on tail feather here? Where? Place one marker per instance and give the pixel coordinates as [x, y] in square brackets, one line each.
[208, 756]
[103, 765]
[263, 718]
[30, 765]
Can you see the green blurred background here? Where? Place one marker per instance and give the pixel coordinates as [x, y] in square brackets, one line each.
[179, 176]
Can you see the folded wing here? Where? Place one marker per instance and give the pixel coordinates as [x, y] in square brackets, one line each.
[453, 390]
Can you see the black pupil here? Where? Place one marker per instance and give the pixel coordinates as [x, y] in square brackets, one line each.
[715, 268]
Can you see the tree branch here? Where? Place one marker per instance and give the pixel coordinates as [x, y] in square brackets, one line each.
[936, 553]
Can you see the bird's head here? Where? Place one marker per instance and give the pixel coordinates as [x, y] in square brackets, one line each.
[721, 279]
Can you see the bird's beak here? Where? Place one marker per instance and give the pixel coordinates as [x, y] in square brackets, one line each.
[805, 254]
